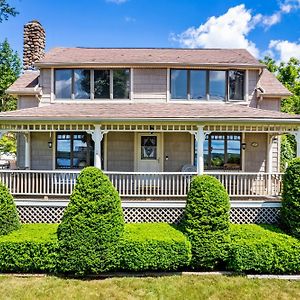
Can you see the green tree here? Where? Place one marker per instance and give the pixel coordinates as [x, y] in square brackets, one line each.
[6, 10]
[288, 73]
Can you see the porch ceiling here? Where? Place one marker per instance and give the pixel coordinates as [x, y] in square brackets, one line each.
[160, 112]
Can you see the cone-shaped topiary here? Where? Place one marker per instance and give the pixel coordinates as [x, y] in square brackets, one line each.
[290, 211]
[9, 220]
[206, 222]
[92, 226]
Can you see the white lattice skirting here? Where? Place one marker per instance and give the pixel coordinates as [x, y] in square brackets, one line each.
[242, 212]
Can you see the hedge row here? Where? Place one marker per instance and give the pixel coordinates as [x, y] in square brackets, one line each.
[263, 249]
[34, 248]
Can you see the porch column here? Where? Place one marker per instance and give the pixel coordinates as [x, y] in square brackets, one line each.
[97, 136]
[297, 137]
[200, 138]
[27, 150]
[269, 153]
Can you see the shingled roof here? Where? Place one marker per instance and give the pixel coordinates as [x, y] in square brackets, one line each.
[145, 111]
[148, 56]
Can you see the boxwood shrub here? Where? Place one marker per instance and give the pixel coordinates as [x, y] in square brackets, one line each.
[9, 219]
[154, 246]
[290, 211]
[32, 248]
[91, 227]
[263, 249]
[206, 221]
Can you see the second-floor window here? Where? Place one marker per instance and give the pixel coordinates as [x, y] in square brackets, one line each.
[207, 84]
[92, 84]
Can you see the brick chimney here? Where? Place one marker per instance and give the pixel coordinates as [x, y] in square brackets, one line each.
[34, 44]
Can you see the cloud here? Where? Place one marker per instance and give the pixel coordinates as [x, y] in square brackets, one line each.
[117, 1]
[229, 30]
[129, 19]
[285, 49]
[269, 21]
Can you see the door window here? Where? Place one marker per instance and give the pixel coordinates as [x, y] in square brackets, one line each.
[149, 147]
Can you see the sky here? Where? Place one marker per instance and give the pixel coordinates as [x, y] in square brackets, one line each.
[264, 27]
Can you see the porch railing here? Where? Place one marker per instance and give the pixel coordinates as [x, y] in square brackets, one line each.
[136, 184]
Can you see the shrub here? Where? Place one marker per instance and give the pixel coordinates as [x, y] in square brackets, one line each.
[92, 226]
[154, 246]
[9, 219]
[32, 248]
[263, 249]
[206, 221]
[290, 211]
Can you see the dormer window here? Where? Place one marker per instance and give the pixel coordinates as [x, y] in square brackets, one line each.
[85, 84]
[207, 85]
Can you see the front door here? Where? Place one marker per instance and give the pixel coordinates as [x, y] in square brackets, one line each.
[148, 152]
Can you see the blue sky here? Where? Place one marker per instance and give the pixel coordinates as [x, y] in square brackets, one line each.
[270, 26]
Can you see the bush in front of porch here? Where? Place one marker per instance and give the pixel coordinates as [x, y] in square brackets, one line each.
[206, 222]
[290, 211]
[9, 220]
[92, 226]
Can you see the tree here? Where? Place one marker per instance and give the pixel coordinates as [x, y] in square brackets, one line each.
[6, 10]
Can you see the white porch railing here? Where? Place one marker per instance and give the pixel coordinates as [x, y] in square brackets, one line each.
[136, 184]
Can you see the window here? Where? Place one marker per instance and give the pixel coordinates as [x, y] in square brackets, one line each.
[76, 84]
[63, 84]
[121, 84]
[101, 84]
[217, 85]
[82, 84]
[148, 147]
[221, 151]
[207, 85]
[179, 84]
[74, 150]
[236, 85]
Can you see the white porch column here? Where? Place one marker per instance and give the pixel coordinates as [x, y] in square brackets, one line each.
[27, 150]
[97, 136]
[297, 137]
[200, 138]
[269, 153]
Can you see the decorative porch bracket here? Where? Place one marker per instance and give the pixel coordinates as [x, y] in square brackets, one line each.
[200, 136]
[97, 136]
[297, 137]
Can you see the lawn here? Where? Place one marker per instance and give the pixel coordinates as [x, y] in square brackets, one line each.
[168, 287]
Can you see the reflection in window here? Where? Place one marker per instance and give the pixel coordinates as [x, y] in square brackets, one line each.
[179, 84]
[221, 151]
[236, 85]
[101, 84]
[121, 84]
[217, 85]
[198, 84]
[148, 147]
[63, 84]
[74, 150]
[82, 84]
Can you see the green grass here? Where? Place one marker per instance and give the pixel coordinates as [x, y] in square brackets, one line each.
[32, 233]
[168, 287]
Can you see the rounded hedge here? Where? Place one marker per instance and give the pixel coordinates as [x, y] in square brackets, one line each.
[9, 220]
[290, 211]
[206, 222]
[92, 226]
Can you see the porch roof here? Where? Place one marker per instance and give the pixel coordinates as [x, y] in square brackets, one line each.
[109, 112]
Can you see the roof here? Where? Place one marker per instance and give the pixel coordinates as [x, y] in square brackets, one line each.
[92, 112]
[148, 56]
[271, 86]
[27, 83]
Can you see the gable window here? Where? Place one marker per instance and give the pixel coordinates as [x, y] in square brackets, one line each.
[106, 84]
[74, 150]
[222, 151]
[207, 84]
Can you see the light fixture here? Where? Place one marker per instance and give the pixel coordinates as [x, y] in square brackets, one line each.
[244, 146]
[50, 141]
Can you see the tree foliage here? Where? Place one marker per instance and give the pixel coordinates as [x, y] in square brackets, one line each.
[6, 11]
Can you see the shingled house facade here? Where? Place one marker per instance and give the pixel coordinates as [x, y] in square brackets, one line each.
[151, 119]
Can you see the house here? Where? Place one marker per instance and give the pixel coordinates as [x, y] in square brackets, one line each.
[151, 118]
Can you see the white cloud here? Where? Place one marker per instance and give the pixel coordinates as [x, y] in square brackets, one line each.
[117, 1]
[285, 49]
[229, 30]
[129, 19]
[269, 21]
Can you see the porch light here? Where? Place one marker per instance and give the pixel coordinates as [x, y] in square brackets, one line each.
[244, 146]
[50, 144]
